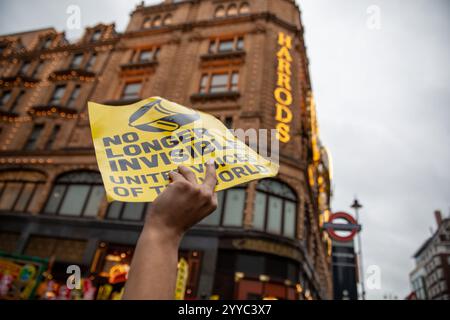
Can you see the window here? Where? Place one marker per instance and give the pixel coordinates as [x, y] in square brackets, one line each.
[167, 20]
[52, 138]
[157, 22]
[226, 119]
[275, 208]
[38, 69]
[219, 82]
[240, 43]
[234, 81]
[244, 9]
[220, 12]
[25, 67]
[46, 43]
[58, 94]
[259, 212]
[17, 189]
[76, 194]
[148, 55]
[226, 45]
[91, 62]
[204, 83]
[132, 211]
[131, 90]
[73, 97]
[17, 101]
[437, 260]
[147, 23]
[76, 61]
[4, 98]
[290, 213]
[234, 207]
[228, 122]
[230, 208]
[96, 35]
[214, 218]
[33, 137]
[232, 10]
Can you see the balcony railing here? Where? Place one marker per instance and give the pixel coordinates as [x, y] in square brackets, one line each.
[226, 95]
[51, 108]
[7, 114]
[18, 80]
[72, 74]
[138, 67]
[229, 55]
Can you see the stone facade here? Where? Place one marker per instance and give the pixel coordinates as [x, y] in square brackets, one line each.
[44, 136]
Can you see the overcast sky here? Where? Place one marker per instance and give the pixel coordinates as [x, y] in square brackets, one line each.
[383, 106]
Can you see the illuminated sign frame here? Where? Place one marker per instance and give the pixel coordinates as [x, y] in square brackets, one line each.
[283, 91]
[351, 225]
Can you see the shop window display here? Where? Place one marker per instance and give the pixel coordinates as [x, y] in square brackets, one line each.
[109, 270]
[257, 276]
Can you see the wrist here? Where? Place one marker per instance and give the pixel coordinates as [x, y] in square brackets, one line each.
[161, 234]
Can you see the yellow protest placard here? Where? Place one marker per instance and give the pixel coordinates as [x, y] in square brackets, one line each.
[137, 146]
[182, 277]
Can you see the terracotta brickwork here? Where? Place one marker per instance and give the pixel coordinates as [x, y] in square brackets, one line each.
[180, 43]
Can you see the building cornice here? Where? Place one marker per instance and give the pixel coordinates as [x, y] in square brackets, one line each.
[183, 27]
[73, 47]
[21, 33]
[162, 7]
[188, 26]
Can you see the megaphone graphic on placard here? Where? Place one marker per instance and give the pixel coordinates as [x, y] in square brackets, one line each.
[156, 117]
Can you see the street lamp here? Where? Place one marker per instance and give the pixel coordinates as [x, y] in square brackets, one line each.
[356, 206]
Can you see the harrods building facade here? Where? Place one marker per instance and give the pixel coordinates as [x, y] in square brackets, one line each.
[244, 61]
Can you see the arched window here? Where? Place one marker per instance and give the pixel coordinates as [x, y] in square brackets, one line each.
[47, 42]
[167, 20]
[147, 23]
[157, 22]
[220, 12]
[132, 211]
[232, 10]
[244, 9]
[96, 35]
[17, 189]
[78, 194]
[230, 208]
[275, 209]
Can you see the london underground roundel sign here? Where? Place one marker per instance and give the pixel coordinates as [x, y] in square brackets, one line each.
[350, 227]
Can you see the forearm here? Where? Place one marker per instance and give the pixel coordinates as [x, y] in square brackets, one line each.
[181, 205]
[153, 270]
